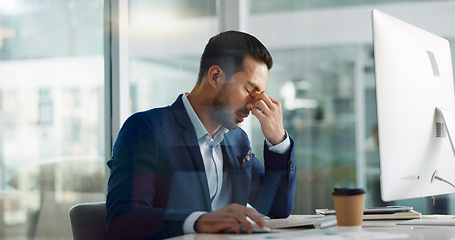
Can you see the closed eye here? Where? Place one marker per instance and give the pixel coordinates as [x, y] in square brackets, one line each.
[252, 93]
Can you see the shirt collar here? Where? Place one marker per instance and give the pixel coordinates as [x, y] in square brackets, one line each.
[201, 131]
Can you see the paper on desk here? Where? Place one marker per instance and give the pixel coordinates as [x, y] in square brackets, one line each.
[324, 235]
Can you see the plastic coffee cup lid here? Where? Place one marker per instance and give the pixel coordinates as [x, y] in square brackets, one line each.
[347, 191]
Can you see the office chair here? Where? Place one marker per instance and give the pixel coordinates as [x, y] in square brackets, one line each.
[88, 221]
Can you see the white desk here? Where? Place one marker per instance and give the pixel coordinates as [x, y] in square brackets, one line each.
[371, 230]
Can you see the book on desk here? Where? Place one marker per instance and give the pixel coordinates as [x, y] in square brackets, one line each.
[410, 214]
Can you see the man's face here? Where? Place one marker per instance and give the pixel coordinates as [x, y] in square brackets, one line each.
[230, 105]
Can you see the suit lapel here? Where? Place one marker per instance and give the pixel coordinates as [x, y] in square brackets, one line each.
[238, 174]
[191, 142]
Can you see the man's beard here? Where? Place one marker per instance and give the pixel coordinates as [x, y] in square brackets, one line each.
[220, 112]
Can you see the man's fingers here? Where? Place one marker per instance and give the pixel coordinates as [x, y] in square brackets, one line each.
[257, 113]
[246, 224]
[234, 225]
[264, 97]
[262, 106]
[233, 216]
[266, 104]
[269, 113]
[254, 216]
[215, 224]
[240, 213]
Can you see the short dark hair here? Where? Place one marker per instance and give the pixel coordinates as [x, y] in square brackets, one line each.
[229, 49]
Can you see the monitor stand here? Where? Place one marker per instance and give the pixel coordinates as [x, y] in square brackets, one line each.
[448, 118]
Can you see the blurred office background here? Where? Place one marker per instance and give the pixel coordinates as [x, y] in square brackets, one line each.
[61, 75]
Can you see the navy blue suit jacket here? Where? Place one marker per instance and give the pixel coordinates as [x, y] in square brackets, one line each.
[158, 178]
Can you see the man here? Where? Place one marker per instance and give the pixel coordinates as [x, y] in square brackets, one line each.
[189, 168]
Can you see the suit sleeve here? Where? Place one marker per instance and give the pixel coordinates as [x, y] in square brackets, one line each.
[273, 185]
[135, 209]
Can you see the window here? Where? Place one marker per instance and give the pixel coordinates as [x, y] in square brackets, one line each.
[324, 75]
[166, 40]
[51, 114]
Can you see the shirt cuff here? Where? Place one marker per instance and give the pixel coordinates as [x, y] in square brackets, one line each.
[188, 224]
[281, 147]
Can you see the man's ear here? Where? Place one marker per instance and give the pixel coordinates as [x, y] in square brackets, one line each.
[214, 75]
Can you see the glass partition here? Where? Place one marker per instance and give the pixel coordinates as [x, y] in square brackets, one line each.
[323, 74]
[51, 114]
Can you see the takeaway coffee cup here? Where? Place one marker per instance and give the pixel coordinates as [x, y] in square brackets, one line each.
[349, 203]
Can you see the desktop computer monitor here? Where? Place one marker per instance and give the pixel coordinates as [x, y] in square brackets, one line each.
[416, 105]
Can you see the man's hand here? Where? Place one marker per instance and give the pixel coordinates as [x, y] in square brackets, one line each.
[268, 111]
[233, 216]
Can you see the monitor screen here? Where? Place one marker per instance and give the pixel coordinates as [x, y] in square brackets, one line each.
[414, 80]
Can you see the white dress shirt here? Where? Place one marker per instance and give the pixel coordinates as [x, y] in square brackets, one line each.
[212, 155]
